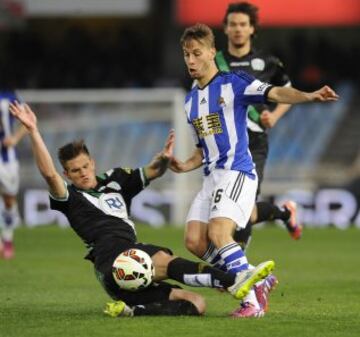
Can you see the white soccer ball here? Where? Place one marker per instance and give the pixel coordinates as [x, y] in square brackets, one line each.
[133, 270]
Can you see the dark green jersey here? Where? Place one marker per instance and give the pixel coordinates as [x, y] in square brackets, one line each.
[266, 68]
[103, 212]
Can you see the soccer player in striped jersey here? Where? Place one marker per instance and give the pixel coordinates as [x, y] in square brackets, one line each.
[9, 174]
[98, 210]
[216, 110]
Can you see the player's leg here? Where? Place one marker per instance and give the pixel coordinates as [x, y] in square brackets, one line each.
[157, 299]
[166, 301]
[196, 237]
[266, 211]
[10, 216]
[196, 230]
[9, 185]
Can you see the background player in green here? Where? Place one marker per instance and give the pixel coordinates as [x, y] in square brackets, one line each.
[240, 26]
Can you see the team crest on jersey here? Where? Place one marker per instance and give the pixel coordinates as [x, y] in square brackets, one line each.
[114, 185]
[258, 64]
[113, 204]
[221, 102]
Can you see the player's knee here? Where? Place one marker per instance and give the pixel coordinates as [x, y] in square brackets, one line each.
[161, 261]
[218, 236]
[199, 303]
[195, 245]
[9, 201]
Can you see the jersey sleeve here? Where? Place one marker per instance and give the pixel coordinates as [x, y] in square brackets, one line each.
[61, 205]
[249, 90]
[131, 181]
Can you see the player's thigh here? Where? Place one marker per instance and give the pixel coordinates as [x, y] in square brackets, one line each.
[200, 206]
[234, 198]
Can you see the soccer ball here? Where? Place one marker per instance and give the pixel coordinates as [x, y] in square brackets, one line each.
[133, 270]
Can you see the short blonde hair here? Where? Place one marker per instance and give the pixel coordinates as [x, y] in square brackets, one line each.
[199, 32]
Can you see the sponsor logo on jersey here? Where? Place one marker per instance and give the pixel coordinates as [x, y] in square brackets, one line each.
[203, 101]
[113, 204]
[239, 64]
[258, 64]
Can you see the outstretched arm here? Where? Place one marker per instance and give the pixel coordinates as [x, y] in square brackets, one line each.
[292, 96]
[42, 156]
[16, 137]
[192, 163]
[160, 162]
[270, 118]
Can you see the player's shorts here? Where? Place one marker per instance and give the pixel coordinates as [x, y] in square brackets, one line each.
[9, 178]
[225, 194]
[103, 269]
[259, 148]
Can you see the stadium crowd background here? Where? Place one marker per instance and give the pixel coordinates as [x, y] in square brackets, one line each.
[44, 46]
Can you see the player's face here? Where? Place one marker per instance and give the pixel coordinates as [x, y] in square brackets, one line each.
[238, 29]
[198, 57]
[81, 171]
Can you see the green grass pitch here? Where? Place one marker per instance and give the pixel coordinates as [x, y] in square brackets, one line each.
[49, 290]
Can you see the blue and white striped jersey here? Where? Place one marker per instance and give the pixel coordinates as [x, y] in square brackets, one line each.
[217, 115]
[7, 154]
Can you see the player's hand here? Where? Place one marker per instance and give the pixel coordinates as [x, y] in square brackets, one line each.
[9, 141]
[168, 149]
[325, 94]
[25, 115]
[177, 166]
[268, 119]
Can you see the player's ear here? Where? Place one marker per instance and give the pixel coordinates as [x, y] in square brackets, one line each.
[213, 52]
[252, 30]
[66, 174]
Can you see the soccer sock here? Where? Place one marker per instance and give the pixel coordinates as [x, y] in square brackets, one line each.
[251, 298]
[213, 258]
[234, 258]
[10, 220]
[198, 274]
[166, 308]
[268, 212]
[243, 236]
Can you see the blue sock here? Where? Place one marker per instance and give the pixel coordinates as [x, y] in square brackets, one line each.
[233, 257]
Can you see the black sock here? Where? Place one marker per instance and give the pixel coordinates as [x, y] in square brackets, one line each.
[269, 212]
[198, 274]
[243, 236]
[166, 308]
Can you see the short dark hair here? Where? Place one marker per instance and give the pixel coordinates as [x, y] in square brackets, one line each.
[245, 8]
[71, 151]
[199, 32]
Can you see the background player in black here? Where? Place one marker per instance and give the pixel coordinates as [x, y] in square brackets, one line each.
[240, 25]
[97, 208]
